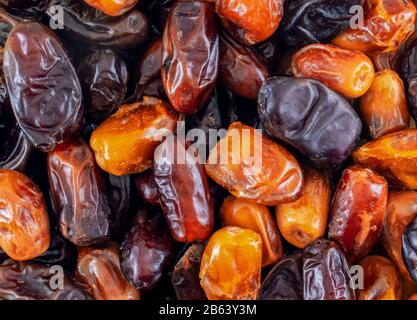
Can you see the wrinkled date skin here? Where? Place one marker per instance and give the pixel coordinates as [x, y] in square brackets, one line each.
[249, 215]
[183, 191]
[146, 187]
[119, 196]
[409, 248]
[47, 98]
[103, 76]
[312, 118]
[358, 211]
[250, 21]
[231, 265]
[284, 281]
[345, 71]
[381, 280]
[24, 222]
[326, 272]
[147, 250]
[241, 69]
[99, 268]
[79, 193]
[394, 156]
[305, 220]
[185, 274]
[384, 107]
[409, 74]
[82, 22]
[386, 25]
[112, 7]
[30, 281]
[126, 141]
[273, 179]
[311, 21]
[190, 55]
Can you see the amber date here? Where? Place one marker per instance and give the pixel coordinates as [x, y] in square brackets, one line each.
[112, 7]
[381, 280]
[185, 274]
[147, 250]
[82, 22]
[99, 268]
[284, 281]
[311, 21]
[312, 118]
[126, 141]
[231, 265]
[47, 98]
[249, 215]
[24, 223]
[384, 107]
[385, 26]
[29, 281]
[394, 156]
[103, 76]
[326, 272]
[147, 188]
[190, 55]
[183, 191]
[119, 197]
[409, 248]
[250, 21]
[79, 193]
[347, 72]
[252, 166]
[305, 220]
[241, 69]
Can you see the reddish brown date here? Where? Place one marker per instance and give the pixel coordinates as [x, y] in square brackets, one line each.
[183, 191]
[190, 55]
[79, 193]
[24, 222]
[147, 188]
[358, 211]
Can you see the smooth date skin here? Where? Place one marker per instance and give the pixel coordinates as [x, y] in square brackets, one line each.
[309, 116]
[79, 193]
[409, 248]
[146, 187]
[190, 55]
[47, 98]
[112, 7]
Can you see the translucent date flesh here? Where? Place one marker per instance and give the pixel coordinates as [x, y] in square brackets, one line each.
[231, 265]
[99, 268]
[24, 223]
[275, 178]
[112, 7]
[394, 156]
[126, 141]
[47, 98]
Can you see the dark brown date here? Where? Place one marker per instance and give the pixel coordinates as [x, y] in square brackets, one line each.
[147, 188]
[119, 196]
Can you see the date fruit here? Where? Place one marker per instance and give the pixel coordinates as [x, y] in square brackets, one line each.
[409, 248]
[112, 7]
[146, 187]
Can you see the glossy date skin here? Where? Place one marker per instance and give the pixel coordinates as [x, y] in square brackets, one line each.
[147, 250]
[99, 268]
[386, 25]
[47, 99]
[409, 248]
[190, 55]
[347, 72]
[104, 79]
[146, 187]
[358, 211]
[79, 193]
[241, 69]
[326, 272]
[126, 141]
[249, 215]
[284, 281]
[30, 281]
[250, 21]
[112, 7]
[312, 118]
[384, 106]
[305, 220]
[231, 265]
[311, 21]
[274, 180]
[409, 74]
[381, 280]
[24, 223]
[393, 156]
[183, 190]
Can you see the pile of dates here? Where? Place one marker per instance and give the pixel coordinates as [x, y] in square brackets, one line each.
[96, 97]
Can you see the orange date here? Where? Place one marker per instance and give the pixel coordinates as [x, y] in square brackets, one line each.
[112, 7]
